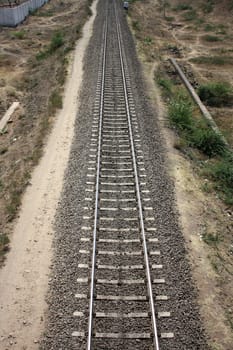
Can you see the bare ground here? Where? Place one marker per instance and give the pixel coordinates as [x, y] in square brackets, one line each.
[201, 212]
[25, 275]
[33, 69]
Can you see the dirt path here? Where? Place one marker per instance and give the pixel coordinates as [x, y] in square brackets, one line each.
[25, 276]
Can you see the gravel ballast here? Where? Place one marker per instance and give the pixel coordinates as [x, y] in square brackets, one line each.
[185, 321]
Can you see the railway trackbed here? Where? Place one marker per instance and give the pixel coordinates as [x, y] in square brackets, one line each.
[120, 277]
[119, 220]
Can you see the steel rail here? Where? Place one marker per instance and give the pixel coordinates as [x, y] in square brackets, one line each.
[153, 319]
[91, 301]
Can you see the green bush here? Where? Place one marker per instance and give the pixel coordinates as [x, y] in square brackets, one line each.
[56, 41]
[55, 100]
[166, 84]
[216, 94]
[208, 6]
[223, 172]
[208, 142]
[18, 35]
[190, 15]
[183, 7]
[180, 112]
[211, 38]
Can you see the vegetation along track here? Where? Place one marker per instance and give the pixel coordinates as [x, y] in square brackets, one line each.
[118, 299]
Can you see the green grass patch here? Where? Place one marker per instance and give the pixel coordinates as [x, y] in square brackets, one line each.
[166, 84]
[209, 27]
[56, 42]
[55, 101]
[222, 173]
[211, 38]
[190, 15]
[211, 239]
[208, 6]
[18, 34]
[4, 243]
[180, 112]
[207, 141]
[182, 7]
[213, 60]
[195, 134]
[135, 25]
[148, 40]
[216, 94]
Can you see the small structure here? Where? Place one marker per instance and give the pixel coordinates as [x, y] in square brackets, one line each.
[126, 5]
[12, 16]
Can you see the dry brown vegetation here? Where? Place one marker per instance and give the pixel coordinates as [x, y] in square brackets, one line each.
[199, 35]
[33, 61]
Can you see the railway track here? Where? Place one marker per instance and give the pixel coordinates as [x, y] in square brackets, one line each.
[120, 270]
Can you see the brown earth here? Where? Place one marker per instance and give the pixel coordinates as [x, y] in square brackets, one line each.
[203, 214]
[33, 61]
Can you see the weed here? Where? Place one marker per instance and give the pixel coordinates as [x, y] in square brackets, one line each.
[166, 84]
[206, 187]
[56, 42]
[18, 35]
[217, 60]
[14, 203]
[169, 18]
[148, 40]
[216, 94]
[4, 241]
[182, 7]
[222, 173]
[55, 101]
[209, 27]
[211, 38]
[190, 15]
[211, 239]
[180, 112]
[135, 25]
[180, 143]
[3, 150]
[208, 141]
[208, 6]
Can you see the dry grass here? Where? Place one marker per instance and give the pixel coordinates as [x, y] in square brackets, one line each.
[22, 77]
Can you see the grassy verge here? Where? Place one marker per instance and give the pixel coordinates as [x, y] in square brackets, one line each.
[215, 160]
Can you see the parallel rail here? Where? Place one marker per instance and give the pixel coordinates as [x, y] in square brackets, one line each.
[119, 220]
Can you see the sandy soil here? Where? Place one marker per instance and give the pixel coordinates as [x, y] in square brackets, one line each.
[25, 276]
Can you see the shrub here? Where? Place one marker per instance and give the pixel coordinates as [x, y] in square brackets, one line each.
[166, 84]
[208, 142]
[209, 27]
[216, 94]
[56, 42]
[211, 38]
[223, 172]
[208, 6]
[183, 7]
[18, 35]
[135, 25]
[55, 100]
[148, 40]
[211, 239]
[180, 112]
[190, 15]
